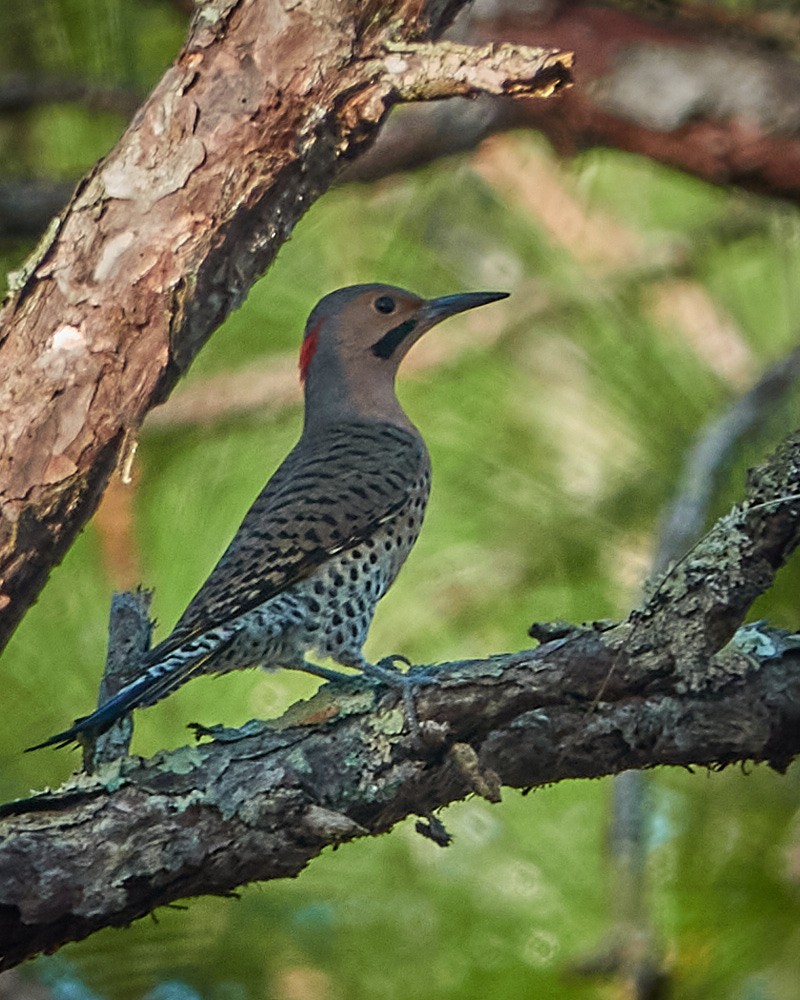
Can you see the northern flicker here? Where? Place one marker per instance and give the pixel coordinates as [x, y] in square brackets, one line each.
[327, 535]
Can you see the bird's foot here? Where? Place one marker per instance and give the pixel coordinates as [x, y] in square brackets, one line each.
[386, 671]
[388, 663]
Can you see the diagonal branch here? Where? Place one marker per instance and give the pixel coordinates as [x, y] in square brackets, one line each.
[164, 237]
[685, 516]
[260, 802]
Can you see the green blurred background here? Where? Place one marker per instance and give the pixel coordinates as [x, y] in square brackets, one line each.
[643, 302]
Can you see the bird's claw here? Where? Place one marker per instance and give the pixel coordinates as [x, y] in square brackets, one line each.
[388, 662]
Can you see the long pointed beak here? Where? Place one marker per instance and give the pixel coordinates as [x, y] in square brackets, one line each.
[436, 310]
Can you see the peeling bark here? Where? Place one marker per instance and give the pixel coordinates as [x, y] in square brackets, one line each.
[678, 682]
[164, 237]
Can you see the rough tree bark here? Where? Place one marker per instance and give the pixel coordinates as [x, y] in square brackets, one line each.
[164, 237]
[680, 681]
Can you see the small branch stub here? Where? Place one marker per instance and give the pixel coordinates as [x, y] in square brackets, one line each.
[129, 633]
[430, 72]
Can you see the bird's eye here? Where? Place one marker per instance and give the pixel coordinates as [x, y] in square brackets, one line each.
[384, 304]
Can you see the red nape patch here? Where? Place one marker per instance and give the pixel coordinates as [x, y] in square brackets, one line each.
[307, 351]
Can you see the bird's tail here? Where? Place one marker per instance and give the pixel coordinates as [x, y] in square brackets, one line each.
[153, 685]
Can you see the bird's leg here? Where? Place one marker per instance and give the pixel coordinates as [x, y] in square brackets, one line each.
[384, 670]
[323, 672]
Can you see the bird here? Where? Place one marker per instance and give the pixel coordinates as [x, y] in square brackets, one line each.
[326, 537]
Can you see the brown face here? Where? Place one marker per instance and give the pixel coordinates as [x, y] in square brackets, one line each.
[390, 320]
[366, 319]
[395, 321]
[375, 324]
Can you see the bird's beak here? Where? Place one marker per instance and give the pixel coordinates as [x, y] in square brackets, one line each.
[435, 310]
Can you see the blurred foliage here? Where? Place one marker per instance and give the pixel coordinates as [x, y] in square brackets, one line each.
[556, 442]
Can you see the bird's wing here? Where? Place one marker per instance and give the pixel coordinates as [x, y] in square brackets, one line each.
[331, 493]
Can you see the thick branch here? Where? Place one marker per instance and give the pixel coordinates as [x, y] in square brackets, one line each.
[260, 802]
[165, 236]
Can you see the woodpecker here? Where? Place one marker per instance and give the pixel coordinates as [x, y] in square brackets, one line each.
[326, 537]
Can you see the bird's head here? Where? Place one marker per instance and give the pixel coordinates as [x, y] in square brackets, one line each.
[356, 338]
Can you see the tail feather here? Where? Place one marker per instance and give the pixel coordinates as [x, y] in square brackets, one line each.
[88, 727]
[151, 687]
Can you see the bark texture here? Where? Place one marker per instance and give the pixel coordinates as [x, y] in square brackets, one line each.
[164, 237]
[680, 681]
[260, 803]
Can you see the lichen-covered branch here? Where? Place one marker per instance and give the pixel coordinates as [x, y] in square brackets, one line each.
[680, 681]
[260, 803]
[164, 237]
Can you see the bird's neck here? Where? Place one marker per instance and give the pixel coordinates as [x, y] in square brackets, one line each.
[334, 401]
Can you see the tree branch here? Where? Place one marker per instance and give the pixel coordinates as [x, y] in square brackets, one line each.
[666, 686]
[129, 633]
[634, 950]
[685, 516]
[165, 236]
[260, 803]
[20, 93]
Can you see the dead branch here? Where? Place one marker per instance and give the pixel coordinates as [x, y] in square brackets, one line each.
[129, 633]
